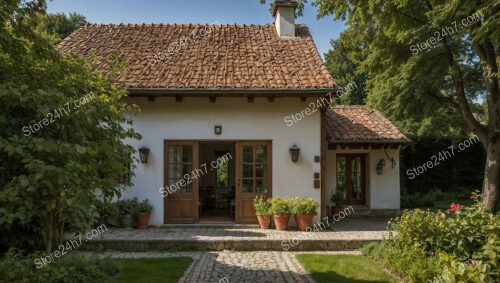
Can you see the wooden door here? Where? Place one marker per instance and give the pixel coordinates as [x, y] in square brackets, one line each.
[351, 177]
[253, 177]
[181, 184]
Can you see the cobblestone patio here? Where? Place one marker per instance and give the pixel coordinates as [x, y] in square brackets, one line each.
[227, 266]
[351, 229]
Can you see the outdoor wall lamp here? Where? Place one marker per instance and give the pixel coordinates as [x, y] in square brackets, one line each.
[294, 153]
[144, 154]
[380, 167]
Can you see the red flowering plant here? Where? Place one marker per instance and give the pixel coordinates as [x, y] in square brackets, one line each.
[454, 207]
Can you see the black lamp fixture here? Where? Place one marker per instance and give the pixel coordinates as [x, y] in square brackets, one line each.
[294, 153]
[144, 154]
[380, 167]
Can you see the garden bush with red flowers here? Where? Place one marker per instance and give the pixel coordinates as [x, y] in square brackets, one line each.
[460, 245]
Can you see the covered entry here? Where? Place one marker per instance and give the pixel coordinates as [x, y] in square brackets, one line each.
[215, 181]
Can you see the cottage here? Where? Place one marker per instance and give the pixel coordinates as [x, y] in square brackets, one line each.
[229, 112]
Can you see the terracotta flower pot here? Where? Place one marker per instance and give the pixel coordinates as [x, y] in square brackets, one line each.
[264, 221]
[142, 220]
[303, 221]
[281, 222]
[336, 210]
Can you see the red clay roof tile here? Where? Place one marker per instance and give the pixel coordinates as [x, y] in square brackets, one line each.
[204, 56]
[359, 124]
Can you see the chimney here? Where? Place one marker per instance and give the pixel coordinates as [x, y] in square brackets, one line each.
[284, 14]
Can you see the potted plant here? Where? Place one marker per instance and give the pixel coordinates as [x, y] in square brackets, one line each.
[263, 211]
[303, 211]
[126, 210]
[280, 207]
[143, 213]
[338, 198]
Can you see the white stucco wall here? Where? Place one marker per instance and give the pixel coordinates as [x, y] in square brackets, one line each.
[382, 191]
[195, 118]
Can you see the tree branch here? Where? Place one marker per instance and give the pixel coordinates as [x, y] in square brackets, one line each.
[463, 105]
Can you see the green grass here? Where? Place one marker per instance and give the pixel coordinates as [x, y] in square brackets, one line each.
[343, 268]
[154, 270]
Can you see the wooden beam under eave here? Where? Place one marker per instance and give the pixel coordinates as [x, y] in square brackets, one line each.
[212, 99]
[151, 98]
[323, 148]
[250, 99]
[178, 98]
[270, 99]
[303, 98]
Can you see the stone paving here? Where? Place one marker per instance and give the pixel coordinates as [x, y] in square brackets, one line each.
[228, 266]
[352, 229]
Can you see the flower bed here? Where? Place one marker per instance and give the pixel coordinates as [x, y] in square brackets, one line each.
[460, 245]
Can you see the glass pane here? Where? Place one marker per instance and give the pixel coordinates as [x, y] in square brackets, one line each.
[356, 178]
[187, 169]
[187, 154]
[260, 154]
[174, 171]
[247, 170]
[341, 178]
[260, 170]
[248, 185]
[247, 154]
[174, 153]
[261, 186]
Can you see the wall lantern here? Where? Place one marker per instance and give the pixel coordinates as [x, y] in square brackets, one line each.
[144, 154]
[380, 166]
[294, 153]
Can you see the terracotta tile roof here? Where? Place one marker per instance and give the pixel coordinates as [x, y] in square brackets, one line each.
[227, 56]
[359, 124]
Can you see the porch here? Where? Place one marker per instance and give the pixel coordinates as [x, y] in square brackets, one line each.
[348, 234]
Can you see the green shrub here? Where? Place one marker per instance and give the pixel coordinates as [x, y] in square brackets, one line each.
[437, 246]
[69, 268]
[262, 206]
[304, 206]
[280, 206]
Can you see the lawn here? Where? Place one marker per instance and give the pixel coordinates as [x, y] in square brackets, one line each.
[343, 268]
[151, 270]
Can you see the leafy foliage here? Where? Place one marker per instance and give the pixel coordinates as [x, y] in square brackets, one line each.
[305, 206]
[262, 206]
[68, 268]
[49, 177]
[465, 238]
[343, 62]
[281, 206]
[58, 24]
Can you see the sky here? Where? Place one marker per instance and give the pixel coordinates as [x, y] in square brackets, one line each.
[194, 11]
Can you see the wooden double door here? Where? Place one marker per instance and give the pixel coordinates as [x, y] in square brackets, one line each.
[182, 170]
[351, 177]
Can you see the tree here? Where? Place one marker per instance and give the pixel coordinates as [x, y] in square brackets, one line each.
[343, 64]
[57, 24]
[63, 126]
[446, 51]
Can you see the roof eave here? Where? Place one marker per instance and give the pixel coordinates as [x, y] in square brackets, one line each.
[194, 92]
[378, 142]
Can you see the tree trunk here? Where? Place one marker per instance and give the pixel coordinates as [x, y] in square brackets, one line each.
[49, 232]
[491, 176]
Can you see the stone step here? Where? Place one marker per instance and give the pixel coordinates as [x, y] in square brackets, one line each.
[214, 245]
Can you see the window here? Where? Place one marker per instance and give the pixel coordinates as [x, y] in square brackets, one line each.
[254, 169]
[180, 167]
